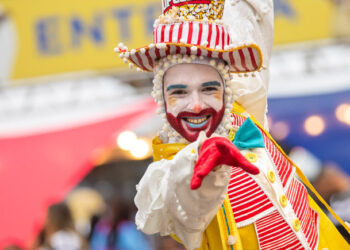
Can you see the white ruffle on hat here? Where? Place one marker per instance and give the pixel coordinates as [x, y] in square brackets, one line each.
[194, 27]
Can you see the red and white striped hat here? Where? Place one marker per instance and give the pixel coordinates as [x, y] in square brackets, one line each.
[193, 27]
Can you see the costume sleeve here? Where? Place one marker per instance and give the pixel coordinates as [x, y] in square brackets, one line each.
[251, 22]
[166, 204]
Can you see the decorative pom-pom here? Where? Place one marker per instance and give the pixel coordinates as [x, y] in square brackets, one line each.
[231, 240]
[221, 66]
[166, 128]
[166, 64]
[183, 141]
[160, 73]
[205, 43]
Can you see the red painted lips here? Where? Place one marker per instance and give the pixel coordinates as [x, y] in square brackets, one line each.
[189, 124]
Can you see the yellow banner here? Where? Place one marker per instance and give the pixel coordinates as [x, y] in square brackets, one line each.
[63, 36]
[74, 35]
[303, 20]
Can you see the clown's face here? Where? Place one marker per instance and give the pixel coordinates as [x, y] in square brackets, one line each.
[194, 99]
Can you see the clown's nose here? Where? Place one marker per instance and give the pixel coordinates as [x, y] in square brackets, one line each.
[197, 108]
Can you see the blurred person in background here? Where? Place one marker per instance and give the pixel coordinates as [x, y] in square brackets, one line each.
[84, 203]
[329, 180]
[13, 247]
[333, 184]
[332, 181]
[59, 232]
[115, 230]
[167, 243]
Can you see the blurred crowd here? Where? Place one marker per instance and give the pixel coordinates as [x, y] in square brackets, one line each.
[113, 229]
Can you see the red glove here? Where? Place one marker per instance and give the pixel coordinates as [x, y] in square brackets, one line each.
[217, 151]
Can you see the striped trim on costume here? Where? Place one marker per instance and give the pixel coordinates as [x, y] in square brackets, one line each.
[250, 204]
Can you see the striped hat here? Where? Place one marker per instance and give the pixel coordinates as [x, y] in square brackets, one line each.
[193, 27]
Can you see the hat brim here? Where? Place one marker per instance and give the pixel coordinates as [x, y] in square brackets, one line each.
[242, 59]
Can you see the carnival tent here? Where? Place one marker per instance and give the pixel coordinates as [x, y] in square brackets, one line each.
[39, 169]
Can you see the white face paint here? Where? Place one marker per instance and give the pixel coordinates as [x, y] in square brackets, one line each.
[194, 99]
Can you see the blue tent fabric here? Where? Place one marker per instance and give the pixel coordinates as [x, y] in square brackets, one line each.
[333, 145]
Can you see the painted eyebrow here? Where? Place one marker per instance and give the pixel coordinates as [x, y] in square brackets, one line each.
[211, 83]
[176, 86]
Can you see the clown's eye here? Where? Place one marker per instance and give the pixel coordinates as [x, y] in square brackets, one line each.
[178, 92]
[209, 89]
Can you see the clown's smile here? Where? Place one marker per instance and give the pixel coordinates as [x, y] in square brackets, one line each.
[189, 124]
[197, 122]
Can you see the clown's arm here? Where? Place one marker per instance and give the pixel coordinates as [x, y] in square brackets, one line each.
[165, 200]
[251, 22]
[166, 203]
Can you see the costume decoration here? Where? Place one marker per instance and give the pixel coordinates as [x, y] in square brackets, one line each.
[248, 136]
[209, 192]
[198, 9]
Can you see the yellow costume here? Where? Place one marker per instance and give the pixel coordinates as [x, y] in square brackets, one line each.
[223, 226]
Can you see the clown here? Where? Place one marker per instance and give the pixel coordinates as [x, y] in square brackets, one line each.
[197, 103]
[219, 181]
